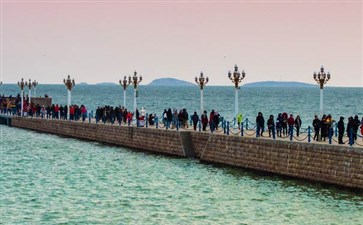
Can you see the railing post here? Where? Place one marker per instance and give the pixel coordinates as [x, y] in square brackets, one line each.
[146, 120]
[199, 126]
[156, 122]
[227, 127]
[224, 127]
[246, 123]
[273, 132]
[330, 135]
[309, 134]
[242, 129]
[336, 129]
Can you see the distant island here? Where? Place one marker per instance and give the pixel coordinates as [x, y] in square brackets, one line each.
[170, 82]
[278, 84]
[82, 83]
[106, 83]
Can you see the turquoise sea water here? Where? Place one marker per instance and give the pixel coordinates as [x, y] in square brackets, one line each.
[46, 179]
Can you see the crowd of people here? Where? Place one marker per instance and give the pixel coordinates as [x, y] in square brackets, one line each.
[323, 128]
[283, 126]
[172, 117]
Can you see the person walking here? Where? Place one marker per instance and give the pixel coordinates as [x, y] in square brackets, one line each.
[297, 125]
[341, 130]
[291, 123]
[323, 128]
[284, 123]
[195, 120]
[279, 121]
[350, 129]
[239, 120]
[317, 126]
[271, 125]
[84, 113]
[355, 127]
[204, 119]
[260, 122]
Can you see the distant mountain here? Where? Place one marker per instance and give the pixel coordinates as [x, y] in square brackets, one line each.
[82, 83]
[170, 82]
[278, 84]
[106, 83]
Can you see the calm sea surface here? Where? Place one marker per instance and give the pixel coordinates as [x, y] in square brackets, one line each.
[46, 179]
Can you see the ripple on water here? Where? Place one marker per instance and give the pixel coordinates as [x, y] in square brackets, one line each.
[54, 180]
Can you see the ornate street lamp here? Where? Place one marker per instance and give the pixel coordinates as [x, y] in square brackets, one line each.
[135, 82]
[69, 84]
[125, 83]
[201, 81]
[22, 84]
[321, 78]
[35, 83]
[236, 78]
[30, 90]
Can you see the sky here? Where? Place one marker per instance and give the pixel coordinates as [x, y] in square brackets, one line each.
[103, 41]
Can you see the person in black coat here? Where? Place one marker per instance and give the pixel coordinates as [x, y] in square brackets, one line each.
[341, 130]
[271, 125]
[356, 123]
[323, 128]
[260, 122]
[297, 125]
[195, 120]
[350, 126]
[316, 125]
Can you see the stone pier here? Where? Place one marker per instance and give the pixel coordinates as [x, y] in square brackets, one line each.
[331, 164]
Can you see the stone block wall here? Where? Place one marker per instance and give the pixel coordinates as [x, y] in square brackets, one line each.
[340, 165]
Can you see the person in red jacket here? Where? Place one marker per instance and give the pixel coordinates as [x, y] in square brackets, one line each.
[129, 117]
[84, 113]
[56, 111]
[71, 112]
[291, 123]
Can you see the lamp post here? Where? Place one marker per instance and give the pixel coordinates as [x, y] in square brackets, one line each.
[69, 84]
[201, 81]
[135, 82]
[30, 90]
[22, 84]
[125, 83]
[35, 83]
[236, 78]
[321, 78]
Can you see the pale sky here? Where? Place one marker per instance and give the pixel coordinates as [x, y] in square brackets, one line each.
[102, 41]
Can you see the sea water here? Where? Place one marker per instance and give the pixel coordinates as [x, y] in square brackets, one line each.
[46, 179]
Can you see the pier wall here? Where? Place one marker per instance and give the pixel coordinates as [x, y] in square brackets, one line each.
[333, 164]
